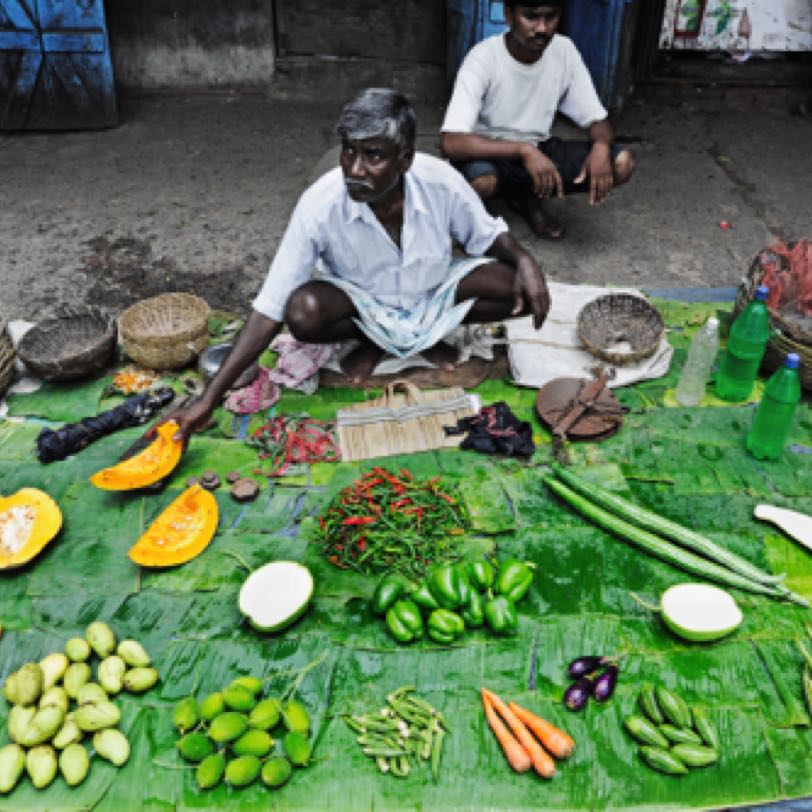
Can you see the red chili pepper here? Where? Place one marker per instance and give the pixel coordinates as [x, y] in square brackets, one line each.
[362, 543]
[446, 497]
[406, 474]
[370, 483]
[333, 559]
[340, 548]
[374, 506]
[353, 521]
[400, 503]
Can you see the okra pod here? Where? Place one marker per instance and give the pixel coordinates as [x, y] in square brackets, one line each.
[436, 754]
[387, 752]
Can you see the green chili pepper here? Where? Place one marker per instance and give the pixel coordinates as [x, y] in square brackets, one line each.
[514, 579]
[422, 597]
[404, 621]
[480, 574]
[473, 612]
[501, 616]
[390, 588]
[446, 586]
[445, 626]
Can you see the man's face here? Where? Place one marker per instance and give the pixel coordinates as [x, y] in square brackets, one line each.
[372, 167]
[532, 27]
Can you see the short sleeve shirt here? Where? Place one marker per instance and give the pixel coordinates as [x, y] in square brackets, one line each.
[498, 96]
[330, 234]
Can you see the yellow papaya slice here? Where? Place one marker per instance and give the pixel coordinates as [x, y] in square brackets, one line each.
[155, 462]
[180, 533]
[28, 521]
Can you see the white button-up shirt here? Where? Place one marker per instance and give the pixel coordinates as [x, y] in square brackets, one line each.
[333, 235]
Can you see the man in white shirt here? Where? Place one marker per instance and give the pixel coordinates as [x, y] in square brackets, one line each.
[497, 126]
[367, 255]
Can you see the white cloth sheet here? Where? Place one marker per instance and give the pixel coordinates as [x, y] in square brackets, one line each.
[560, 355]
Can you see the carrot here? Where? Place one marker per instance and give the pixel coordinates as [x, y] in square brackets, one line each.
[542, 763]
[556, 741]
[516, 755]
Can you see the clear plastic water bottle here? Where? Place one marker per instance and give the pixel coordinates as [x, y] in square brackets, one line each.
[773, 419]
[701, 355]
[738, 366]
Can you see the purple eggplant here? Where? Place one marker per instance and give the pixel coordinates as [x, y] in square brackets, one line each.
[577, 694]
[604, 685]
[585, 665]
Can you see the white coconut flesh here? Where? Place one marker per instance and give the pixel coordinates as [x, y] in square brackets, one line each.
[700, 611]
[276, 594]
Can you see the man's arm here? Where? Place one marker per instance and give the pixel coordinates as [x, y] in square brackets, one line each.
[254, 337]
[461, 146]
[529, 286]
[598, 164]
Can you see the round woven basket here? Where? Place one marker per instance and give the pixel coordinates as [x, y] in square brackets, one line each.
[620, 328]
[789, 334]
[6, 357]
[165, 332]
[74, 343]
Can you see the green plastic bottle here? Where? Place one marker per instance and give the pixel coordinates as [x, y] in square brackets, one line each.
[773, 419]
[738, 366]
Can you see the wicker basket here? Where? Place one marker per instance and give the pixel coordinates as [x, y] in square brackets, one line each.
[74, 343]
[620, 328]
[6, 357]
[165, 332]
[789, 334]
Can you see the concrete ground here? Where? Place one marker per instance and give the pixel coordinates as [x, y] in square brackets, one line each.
[193, 193]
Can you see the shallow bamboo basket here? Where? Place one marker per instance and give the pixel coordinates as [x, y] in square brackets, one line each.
[6, 357]
[165, 332]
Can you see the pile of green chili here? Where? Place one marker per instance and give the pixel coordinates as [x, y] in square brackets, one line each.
[384, 521]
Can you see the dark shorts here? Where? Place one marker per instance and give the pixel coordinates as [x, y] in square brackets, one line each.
[568, 157]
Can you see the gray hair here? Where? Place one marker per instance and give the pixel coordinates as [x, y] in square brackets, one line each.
[379, 112]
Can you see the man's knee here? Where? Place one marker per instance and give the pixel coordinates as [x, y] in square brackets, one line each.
[623, 167]
[303, 314]
[485, 186]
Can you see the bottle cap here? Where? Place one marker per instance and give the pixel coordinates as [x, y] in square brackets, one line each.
[793, 361]
[713, 324]
[762, 292]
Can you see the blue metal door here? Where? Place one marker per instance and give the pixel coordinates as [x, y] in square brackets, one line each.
[55, 68]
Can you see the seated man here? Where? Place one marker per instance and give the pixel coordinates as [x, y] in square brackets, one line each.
[377, 233]
[497, 126]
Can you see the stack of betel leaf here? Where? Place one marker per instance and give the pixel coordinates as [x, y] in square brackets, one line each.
[667, 540]
[673, 736]
[387, 522]
[453, 598]
[228, 734]
[41, 721]
[406, 729]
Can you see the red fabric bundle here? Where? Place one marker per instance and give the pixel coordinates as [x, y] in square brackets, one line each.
[788, 275]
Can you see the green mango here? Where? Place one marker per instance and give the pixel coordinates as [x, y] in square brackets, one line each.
[243, 771]
[112, 744]
[12, 764]
[91, 692]
[138, 680]
[69, 733]
[101, 639]
[276, 772]
[74, 764]
[24, 687]
[77, 649]
[18, 720]
[75, 677]
[43, 727]
[41, 765]
[55, 696]
[96, 716]
[111, 674]
[133, 653]
[210, 771]
[53, 668]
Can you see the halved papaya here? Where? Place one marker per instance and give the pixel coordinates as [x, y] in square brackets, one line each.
[155, 462]
[28, 521]
[180, 533]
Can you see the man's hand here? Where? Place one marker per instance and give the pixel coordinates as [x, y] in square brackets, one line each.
[190, 418]
[546, 178]
[598, 168]
[529, 286]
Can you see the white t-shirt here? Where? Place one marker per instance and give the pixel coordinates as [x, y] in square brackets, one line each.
[333, 235]
[498, 96]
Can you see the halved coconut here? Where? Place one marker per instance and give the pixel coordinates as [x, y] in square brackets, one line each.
[276, 595]
[699, 612]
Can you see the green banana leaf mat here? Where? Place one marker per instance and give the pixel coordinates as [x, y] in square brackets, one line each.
[688, 464]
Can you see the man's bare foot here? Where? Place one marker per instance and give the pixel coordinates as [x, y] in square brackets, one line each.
[442, 355]
[361, 362]
[540, 222]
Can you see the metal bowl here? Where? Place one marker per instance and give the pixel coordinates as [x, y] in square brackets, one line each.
[211, 359]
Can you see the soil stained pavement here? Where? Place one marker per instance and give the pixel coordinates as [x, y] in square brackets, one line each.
[193, 193]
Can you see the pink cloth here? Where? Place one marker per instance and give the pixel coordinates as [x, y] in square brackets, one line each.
[260, 394]
[298, 364]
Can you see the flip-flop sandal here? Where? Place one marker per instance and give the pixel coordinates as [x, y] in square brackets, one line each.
[540, 225]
